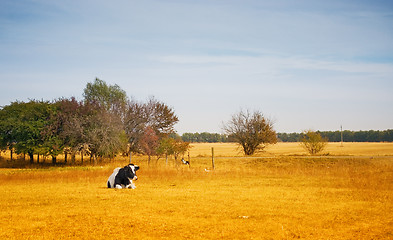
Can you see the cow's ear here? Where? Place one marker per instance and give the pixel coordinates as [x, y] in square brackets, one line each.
[136, 167]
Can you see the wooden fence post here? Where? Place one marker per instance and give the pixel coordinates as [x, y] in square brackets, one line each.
[213, 157]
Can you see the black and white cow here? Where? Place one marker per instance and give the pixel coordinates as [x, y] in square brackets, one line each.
[123, 177]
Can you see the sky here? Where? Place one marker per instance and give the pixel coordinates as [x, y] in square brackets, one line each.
[304, 64]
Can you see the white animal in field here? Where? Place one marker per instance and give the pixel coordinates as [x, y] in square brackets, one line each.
[185, 162]
[123, 177]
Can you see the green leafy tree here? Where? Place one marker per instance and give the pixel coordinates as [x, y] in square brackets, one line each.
[9, 116]
[180, 147]
[166, 147]
[313, 142]
[52, 143]
[23, 127]
[104, 125]
[109, 97]
[171, 146]
[71, 119]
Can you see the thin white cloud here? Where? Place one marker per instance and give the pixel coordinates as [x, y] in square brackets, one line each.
[279, 63]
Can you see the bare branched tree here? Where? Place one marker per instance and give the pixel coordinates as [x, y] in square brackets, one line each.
[252, 131]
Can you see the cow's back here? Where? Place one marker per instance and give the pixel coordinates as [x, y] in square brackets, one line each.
[111, 180]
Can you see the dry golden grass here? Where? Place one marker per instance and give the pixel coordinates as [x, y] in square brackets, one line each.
[280, 197]
[347, 149]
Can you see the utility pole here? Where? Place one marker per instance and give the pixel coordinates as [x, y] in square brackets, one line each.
[341, 135]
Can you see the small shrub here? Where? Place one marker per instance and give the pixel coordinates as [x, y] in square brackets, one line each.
[313, 142]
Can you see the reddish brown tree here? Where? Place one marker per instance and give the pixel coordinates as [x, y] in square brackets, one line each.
[154, 115]
[149, 142]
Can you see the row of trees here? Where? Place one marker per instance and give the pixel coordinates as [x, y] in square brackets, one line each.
[104, 124]
[332, 136]
[348, 136]
[204, 137]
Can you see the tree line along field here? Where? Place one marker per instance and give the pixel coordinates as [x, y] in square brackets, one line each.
[278, 194]
[332, 136]
[232, 150]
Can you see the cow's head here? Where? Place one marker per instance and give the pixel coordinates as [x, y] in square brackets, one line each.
[131, 171]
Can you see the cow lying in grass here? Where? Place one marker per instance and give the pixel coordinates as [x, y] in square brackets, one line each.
[123, 177]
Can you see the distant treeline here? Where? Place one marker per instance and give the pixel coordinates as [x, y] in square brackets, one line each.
[332, 136]
[204, 137]
[348, 136]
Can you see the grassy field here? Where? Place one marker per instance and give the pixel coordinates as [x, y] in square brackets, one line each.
[270, 196]
[295, 149]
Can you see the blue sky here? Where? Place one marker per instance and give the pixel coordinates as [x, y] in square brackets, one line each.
[304, 64]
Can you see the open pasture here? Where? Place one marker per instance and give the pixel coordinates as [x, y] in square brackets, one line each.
[295, 149]
[280, 197]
